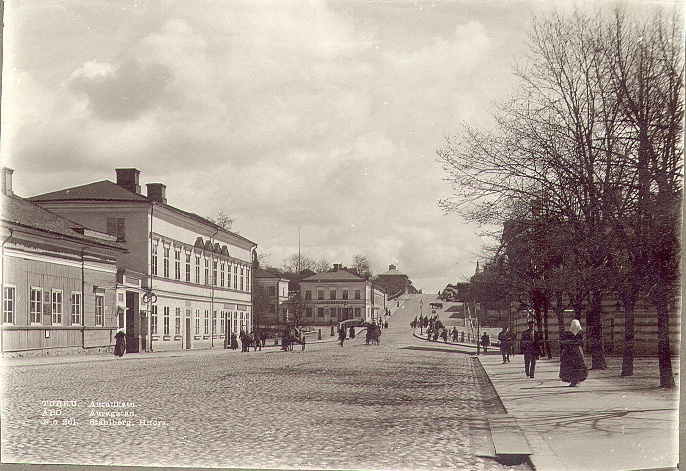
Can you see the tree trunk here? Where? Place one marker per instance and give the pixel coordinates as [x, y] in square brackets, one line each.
[629, 331]
[663, 351]
[560, 313]
[594, 324]
[546, 342]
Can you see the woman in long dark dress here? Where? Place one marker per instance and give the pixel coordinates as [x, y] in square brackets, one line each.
[572, 366]
[120, 344]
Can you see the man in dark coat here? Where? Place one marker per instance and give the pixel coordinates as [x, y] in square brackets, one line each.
[341, 335]
[529, 348]
[485, 342]
[504, 340]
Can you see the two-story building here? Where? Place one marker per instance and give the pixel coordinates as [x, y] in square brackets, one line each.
[338, 295]
[59, 281]
[195, 275]
[271, 306]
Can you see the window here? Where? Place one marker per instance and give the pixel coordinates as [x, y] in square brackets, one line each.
[166, 262]
[358, 312]
[207, 271]
[235, 277]
[344, 294]
[116, 227]
[177, 264]
[320, 294]
[177, 326]
[188, 267]
[214, 322]
[36, 308]
[8, 304]
[197, 269]
[214, 272]
[153, 260]
[197, 322]
[320, 312]
[56, 306]
[222, 323]
[207, 322]
[166, 320]
[308, 294]
[357, 294]
[99, 309]
[223, 269]
[247, 279]
[332, 293]
[242, 275]
[153, 321]
[76, 308]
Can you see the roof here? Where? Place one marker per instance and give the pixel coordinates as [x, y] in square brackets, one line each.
[392, 272]
[21, 212]
[339, 275]
[104, 190]
[262, 273]
[107, 191]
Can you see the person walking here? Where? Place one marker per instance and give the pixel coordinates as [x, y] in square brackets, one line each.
[485, 342]
[504, 340]
[120, 343]
[234, 341]
[573, 369]
[529, 348]
[341, 334]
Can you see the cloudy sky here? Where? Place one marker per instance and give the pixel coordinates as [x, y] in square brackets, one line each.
[282, 114]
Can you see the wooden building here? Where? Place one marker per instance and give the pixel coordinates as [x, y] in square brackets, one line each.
[59, 281]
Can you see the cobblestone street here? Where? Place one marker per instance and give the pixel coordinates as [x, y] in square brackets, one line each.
[356, 407]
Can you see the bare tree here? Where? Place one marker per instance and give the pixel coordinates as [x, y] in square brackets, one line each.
[296, 263]
[362, 267]
[222, 220]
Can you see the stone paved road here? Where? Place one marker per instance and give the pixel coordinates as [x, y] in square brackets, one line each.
[356, 407]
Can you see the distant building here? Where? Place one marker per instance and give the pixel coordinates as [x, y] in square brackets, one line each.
[394, 282]
[270, 300]
[334, 296]
[195, 275]
[59, 281]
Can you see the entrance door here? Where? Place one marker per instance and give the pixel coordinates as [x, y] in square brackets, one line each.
[132, 329]
[188, 332]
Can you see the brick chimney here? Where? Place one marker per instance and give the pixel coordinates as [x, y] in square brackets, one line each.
[156, 192]
[128, 178]
[391, 266]
[337, 266]
[7, 181]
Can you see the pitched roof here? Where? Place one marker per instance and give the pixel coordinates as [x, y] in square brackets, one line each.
[104, 190]
[262, 273]
[108, 191]
[392, 272]
[340, 275]
[23, 213]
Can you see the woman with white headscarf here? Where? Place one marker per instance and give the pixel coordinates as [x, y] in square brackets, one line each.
[572, 366]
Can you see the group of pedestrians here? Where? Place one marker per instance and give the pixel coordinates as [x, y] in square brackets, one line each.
[573, 369]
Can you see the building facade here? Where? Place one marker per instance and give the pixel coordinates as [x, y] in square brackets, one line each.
[195, 276]
[59, 281]
[338, 295]
[271, 302]
[394, 282]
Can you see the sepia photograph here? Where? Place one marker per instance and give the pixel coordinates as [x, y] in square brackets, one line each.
[374, 235]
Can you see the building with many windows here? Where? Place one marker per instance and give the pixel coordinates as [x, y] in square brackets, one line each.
[334, 296]
[195, 275]
[59, 281]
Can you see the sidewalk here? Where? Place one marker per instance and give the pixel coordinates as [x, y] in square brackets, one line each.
[603, 424]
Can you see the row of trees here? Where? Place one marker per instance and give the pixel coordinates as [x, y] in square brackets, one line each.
[582, 170]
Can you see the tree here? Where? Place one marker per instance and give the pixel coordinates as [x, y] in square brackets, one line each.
[296, 263]
[361, 266]
[222, 220]
[589, 145]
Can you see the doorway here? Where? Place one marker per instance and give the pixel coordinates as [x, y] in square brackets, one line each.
[132, 329]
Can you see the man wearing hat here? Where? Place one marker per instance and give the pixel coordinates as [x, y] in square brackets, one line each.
[529, 348]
